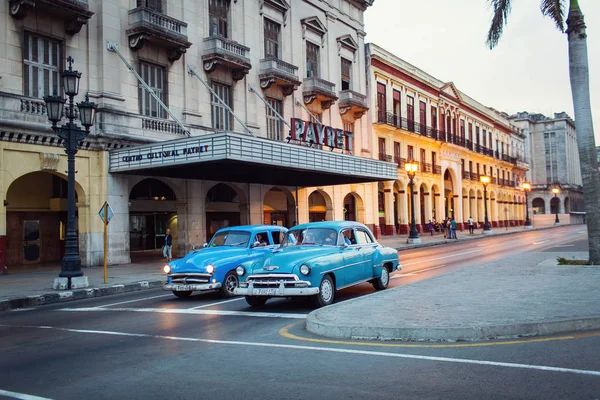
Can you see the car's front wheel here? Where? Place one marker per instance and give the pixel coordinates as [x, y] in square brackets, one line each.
[326, 294]
[383, 281]
[256, 301]
[186, 293]
[230, 282]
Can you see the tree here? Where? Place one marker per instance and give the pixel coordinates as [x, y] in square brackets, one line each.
[580, 91]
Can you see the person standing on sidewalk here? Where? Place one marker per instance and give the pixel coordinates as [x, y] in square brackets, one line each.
[453, 229]
[430, 226]
[168, 249]
[471, 226]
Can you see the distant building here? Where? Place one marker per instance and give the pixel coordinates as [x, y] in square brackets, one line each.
[551, 145]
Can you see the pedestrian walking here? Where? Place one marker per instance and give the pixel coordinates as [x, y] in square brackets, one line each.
[168, 248]
[430, 226]
[471, 226]
[453, 229]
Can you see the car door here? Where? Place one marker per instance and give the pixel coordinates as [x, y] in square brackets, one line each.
[353, 269]
[367, 249]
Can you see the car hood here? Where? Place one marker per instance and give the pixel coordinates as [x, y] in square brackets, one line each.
[289, 257]
[217, 256]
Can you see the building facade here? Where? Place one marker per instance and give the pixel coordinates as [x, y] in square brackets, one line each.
[263, 120]
[455, 141]
[551, 144]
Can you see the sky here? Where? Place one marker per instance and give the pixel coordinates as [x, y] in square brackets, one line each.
[527, 71]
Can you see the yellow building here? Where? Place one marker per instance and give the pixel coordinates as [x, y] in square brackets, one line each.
[454, 139]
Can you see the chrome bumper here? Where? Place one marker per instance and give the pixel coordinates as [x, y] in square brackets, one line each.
[178, 287]
[277, 291]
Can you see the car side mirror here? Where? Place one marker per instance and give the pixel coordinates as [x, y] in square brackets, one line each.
[344, 245]
[205, 245]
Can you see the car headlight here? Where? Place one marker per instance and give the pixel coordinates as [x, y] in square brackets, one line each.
[304, 269]
[167, 269]
[210, 269]
[240, 270]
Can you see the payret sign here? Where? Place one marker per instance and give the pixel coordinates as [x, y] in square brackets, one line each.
[311, 132]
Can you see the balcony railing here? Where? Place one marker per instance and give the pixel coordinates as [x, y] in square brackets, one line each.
[400, 162]
[274, 70]
[466, 175]
[219, 44]
[147, 16]
[222, 51]
[275, 64]
[351, 96]
[437, 169]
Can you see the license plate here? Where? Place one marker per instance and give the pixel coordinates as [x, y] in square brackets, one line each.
[265, 291]
[182, 288]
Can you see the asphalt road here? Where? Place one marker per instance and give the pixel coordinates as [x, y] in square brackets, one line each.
[149, 345]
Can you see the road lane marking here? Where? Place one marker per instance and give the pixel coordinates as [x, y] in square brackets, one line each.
[321, 349]
[21, 396]
[566, 245]
[23, 309]
[441, 258]
[544, 241]
[133, 301]
[192, 312]
[216, 304]
[402, 275]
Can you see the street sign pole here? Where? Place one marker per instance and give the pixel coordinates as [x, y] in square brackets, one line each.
[105, 237]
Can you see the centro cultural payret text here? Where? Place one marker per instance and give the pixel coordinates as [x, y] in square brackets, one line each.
[166, 154]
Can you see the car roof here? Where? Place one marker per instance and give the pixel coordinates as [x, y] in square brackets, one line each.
[331, 224]
[251, 228]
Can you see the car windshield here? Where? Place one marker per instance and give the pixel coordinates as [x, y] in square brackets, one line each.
[230, 238]
[310, 236]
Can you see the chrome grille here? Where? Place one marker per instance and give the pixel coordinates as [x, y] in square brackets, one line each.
[273, 280]
[189, 278]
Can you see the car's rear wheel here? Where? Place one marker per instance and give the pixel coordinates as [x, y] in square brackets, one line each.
[230, 282]
[186, 293]
[256, 301]
[382, 282]
[326, 294]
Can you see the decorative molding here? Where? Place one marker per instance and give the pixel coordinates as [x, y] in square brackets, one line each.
[348, 42]
[49, 161]
[314, 24]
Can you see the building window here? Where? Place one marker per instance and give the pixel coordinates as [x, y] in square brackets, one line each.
[381, 103]
[442, 121]
[396, 151]
[155, 77]
[433, 160]
[381, 143]
[551, 157]
[272, 30]
[462, 129]
[410, 153]
[410, 108]
[434, 118]
[477, 135]
[218, 14]
[312, 60]
[397, 104]
[155, 5]
[221, 118]
[346, 74]
[470, 166]
[484, 137]
[490, 139]
[422, 115]
[41, 64]
[274, 124]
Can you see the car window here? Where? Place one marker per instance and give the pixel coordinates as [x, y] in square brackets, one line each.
[348, 236]
[362, 237]
[310, 236]
[230, 238]
[277, 236]
[261, 239]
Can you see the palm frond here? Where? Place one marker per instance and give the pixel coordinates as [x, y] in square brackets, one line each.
[501, 11]
[555, 9]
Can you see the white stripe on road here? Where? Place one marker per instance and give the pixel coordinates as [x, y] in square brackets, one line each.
[416, 272]
[133, 301]
[566, 245]
[23, 309]
[217, 303]
[324, 349]
[401, 275]
[441, 258]
[21, 396]
[193, 312]
[544, 241]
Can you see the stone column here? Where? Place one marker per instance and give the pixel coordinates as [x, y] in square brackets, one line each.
[389, 208]
[182, 246]
[196, 214]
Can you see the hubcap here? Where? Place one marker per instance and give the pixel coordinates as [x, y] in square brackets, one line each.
[385, 276]
[326, 291]
[230, 283]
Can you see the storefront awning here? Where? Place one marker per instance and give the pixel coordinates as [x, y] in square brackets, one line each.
[232, 157]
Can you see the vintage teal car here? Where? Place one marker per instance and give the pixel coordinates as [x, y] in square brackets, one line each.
[316, 259]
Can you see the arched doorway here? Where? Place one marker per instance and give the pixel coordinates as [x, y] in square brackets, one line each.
[381, 206]
[36, 219]
[399, 206]
[435, 194]
[353, 208]
[555, 205]
[422, 203]
[319, 207]
[449, 194]
[152, 211]
[222, 208]
[539, 205]
[567, 205]
[279, 208]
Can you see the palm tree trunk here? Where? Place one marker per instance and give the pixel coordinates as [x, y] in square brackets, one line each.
[580, 89]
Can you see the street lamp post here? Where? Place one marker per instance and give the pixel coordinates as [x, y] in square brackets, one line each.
[411, 168]
[487, 229]
[70, 276]
[556, 190]
[527, 188]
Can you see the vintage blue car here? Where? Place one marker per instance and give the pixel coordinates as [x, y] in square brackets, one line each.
[213, 267]
[316, 259]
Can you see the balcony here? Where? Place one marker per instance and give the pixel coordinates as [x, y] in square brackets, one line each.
[466, 175]
[146, 25]
[75, 13]
[437, 169]
[274, 71]
[219, 51]
[319, 89]
[400, 162]
[354, 102]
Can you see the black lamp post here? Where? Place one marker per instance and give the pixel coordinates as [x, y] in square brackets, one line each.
[487, 228]
[411, 168]
[71, 136]
[556, 190]
[527, 188]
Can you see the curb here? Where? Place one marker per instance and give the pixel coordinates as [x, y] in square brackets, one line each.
[71, 295]
[451, 334]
